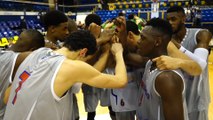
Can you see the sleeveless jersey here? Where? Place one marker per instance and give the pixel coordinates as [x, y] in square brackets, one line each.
[125, 99]
[7, 63]
[197, 87]
[32, 94]
[105, 92]
[150, 104]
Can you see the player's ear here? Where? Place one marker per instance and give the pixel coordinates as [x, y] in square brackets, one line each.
[158, 41]
[83, 52]
[32, 49]
[52, 29]
[130, 36]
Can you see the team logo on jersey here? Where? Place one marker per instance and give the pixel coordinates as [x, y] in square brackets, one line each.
[22, 78]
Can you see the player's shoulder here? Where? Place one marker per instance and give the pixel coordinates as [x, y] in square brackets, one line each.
[203, 32]
[168, 81]
[68, 63]
[204, 35]
[168, 77]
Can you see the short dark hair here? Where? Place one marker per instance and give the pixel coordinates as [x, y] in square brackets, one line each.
[81, 39]
[72, 26]
[131, 26]
[33, 41]
[92, 18]
[37, 38]
[131, 16]
[54, 18]
[176, 9]
[162, 26]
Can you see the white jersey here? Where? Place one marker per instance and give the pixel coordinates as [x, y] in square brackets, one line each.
[197, 87]
[32, 94]
[150, 103]
[7, 63]
[125, 99]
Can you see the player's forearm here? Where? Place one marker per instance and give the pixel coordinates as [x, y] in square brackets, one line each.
[191, 67]
[200, 56]
[174, 51]
[101, 63]
[120, 69]
[99, 41]
[186, 64]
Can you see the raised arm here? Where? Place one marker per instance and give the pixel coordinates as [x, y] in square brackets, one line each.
[76, 71]
[170, 88]
[120, 23]
[95, 29]
[105, 36]
[101, 63]
[109, 81]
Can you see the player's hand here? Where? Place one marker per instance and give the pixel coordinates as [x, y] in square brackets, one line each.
[106, 47]
[105, 36]
[120, 23]
[166, 62]
[116, 48]
[95, 29]
[115, 39]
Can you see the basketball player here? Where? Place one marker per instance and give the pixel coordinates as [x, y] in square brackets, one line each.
[188, 65]
[124, 100]
[29, 40]
[45, 74]
[194, 43]
[72, 27]
[92, 94]
[56, 25]
[161, 93]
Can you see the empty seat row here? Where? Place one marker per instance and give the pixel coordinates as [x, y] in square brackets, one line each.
[13, 6]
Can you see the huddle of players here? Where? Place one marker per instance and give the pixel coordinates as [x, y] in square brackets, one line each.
[161, 83]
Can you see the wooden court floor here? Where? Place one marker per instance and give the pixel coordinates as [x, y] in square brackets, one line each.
[102, 112]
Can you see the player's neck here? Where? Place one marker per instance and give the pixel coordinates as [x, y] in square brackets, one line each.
[73, 55]
[180, 35]
[50, 38]
[16, 48]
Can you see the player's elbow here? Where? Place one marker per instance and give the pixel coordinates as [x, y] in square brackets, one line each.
[123, 82]
[201, 66]
[196, 70]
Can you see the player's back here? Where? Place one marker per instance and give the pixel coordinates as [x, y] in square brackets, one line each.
[32, 94]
